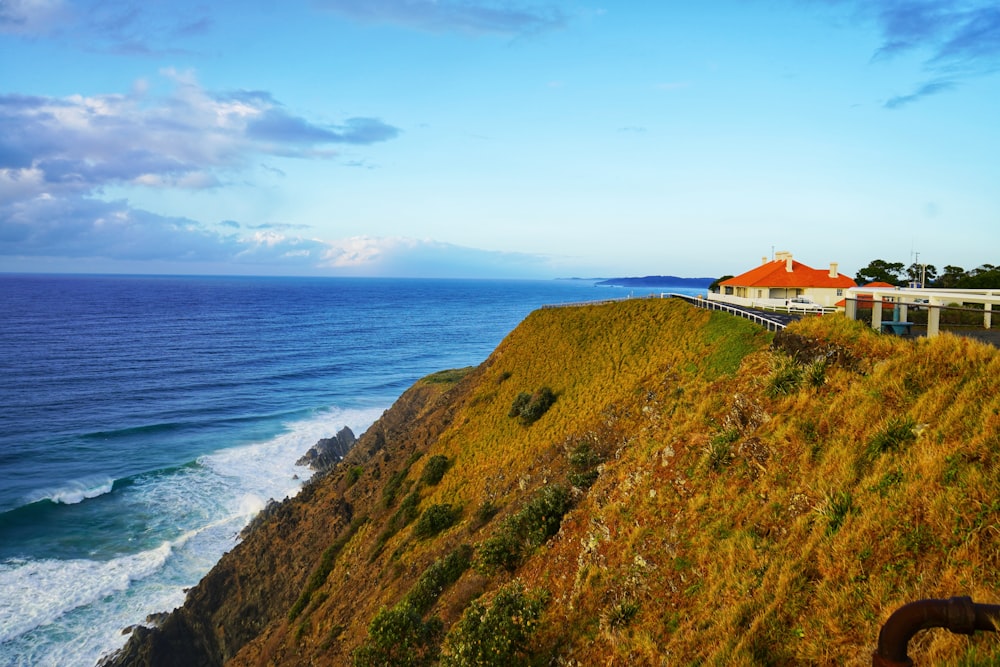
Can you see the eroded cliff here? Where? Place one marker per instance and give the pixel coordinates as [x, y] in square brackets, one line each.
[632, 483]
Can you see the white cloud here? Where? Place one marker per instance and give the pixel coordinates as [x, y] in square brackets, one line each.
[78, 144]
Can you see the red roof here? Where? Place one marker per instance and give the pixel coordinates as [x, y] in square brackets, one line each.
[774, 274]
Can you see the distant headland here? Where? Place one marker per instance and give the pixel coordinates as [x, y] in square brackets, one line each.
[656, 281]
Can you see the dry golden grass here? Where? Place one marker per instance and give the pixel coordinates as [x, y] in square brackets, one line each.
[754, 505]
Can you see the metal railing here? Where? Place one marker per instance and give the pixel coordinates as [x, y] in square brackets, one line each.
[754, 316]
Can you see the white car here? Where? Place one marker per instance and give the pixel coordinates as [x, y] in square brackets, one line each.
[803, 303]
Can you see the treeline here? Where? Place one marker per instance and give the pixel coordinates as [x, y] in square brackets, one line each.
[986, 276]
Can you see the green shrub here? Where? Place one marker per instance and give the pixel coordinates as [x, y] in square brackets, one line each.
[896, 434]
[434, 470]
[620, 614]
[840, 505]
[583, 480]
[786, 379]
[541, 517]
[583, 460]
[502, 550]
[354, 474]
[816, 372]
[530, 527]
[529, 408]
[399, 637]
[520, 402]
[443, 573]
[497, 635]
[720, 452]
[435, 519]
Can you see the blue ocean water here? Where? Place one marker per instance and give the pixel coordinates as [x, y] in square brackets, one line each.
[145, 420]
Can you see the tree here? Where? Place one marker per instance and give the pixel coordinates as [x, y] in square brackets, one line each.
[986, 276]
[880, 270]
[952, 276]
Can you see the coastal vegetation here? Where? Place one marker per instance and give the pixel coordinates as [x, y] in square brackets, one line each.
[697, 491]
[986, 276]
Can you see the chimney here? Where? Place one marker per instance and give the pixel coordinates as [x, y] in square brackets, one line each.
[833, 269]
[788, 263]
[763, 260]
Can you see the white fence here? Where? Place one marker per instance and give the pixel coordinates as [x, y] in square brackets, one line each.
[777, 305]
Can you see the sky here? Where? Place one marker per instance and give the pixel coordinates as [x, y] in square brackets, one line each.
[492, 139]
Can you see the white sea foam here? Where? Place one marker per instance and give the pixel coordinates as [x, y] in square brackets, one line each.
[72, 611]
[77, 491]
[36, 593]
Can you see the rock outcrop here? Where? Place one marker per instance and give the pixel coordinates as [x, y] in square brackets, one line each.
[255, 584]
[328, 452]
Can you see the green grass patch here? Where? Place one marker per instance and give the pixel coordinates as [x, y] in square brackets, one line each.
[448, 376]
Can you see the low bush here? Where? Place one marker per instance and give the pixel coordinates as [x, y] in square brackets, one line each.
[720, 449]
[497, 635]
[529, 408]
[441, 574]
[530, 527]
[400, 637]
[786, 378]
[897, 433]
[434, 470]
[435, 519]
[583, 461]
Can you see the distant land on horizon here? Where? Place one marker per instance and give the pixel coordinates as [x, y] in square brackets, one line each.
[657, 281]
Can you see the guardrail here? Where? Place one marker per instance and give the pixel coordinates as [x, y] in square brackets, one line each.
[754, 316]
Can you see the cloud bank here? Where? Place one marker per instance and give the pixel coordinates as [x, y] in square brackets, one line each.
[76, 145]
[58, 155]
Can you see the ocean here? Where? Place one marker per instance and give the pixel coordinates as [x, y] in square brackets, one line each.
[144, 420]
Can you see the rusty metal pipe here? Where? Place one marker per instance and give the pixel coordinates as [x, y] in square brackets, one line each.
[958, 614]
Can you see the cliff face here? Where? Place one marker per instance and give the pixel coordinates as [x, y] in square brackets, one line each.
[630, 483]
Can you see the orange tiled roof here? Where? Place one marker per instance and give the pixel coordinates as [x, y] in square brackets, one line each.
[773, 274]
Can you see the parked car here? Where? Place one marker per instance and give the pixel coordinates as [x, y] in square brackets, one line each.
[803, 303]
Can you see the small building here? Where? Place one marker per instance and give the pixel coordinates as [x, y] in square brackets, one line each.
[864, 299]
[775, 283]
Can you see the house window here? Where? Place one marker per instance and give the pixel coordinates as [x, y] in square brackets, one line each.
[840, 292]
[760, 293]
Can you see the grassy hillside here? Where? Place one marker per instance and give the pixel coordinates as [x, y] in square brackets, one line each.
[699, 491]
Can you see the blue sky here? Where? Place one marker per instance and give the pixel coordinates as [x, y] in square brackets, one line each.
[468, 138]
